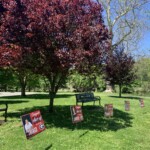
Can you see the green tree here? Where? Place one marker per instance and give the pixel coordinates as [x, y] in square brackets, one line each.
[87, 82]
[28, 80]
[33, 82]
[142, 67]
[8, 80]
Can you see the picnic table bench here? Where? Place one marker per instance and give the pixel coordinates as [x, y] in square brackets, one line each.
[5, 110]
[87, 97]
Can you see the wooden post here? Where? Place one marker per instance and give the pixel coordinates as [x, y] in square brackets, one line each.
[127, 105]
[141, 102]
[6, 112]
[108, 110]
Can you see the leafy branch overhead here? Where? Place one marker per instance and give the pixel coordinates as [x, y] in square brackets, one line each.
[51, 37]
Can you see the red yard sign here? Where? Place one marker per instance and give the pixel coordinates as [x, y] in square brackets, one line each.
[108, 110]
[76, 113]
[141, 102]
[32, 123]
[127, 105]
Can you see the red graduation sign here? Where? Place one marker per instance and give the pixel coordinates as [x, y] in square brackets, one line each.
[127, 105]
[141, 102]
[76, 113]
[108, 110]
[32, 123]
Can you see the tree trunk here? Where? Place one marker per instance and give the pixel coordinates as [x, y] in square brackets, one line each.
[23, 83]
[120, 90]
[23, 90]
[16, 89]
[5, 88]
[54, 84]
[51, 102]
[109, 87]
[29, 89]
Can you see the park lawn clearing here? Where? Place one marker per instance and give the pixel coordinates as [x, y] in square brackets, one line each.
[126, 130]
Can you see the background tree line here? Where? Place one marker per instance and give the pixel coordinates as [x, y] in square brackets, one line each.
[10, 81]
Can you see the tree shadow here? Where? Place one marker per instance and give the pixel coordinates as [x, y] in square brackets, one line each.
[127, 97]
[93, 120]
[49, 147]
[11, 102]
[37, 96]
[83, 134]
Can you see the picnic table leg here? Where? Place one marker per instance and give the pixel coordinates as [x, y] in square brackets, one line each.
[6, 113]
[99, 103]
[94, 103]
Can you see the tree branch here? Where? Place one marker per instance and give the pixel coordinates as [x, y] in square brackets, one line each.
[124, 37]
[135, 6]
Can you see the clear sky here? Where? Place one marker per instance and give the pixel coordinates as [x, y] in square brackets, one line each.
[145, 44]
[145, 41]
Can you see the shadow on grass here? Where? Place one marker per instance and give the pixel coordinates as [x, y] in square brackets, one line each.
[37, 96]
[11, 101]
[127, 97]
[48, 147]
[93, 119]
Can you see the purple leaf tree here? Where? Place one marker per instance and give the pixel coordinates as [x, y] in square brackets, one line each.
[51, 37]
[119, 68]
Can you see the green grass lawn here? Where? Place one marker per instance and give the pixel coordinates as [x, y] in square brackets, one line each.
[126, 130]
